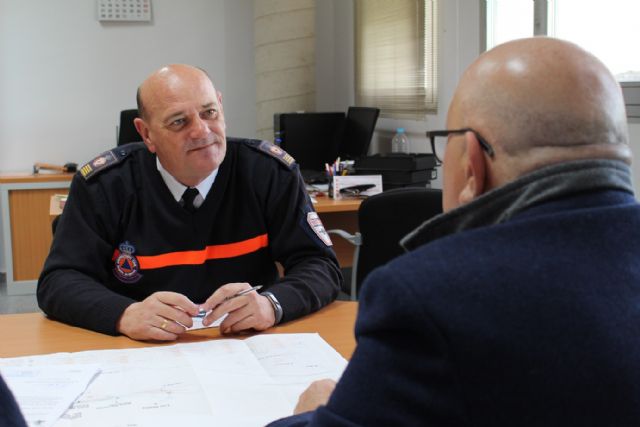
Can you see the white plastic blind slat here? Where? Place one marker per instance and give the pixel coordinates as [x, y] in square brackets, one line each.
[396, 56]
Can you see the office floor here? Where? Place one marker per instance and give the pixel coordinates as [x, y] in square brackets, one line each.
[27, 303]
[15, 303]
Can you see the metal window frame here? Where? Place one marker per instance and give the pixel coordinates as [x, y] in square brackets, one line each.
[630, 90]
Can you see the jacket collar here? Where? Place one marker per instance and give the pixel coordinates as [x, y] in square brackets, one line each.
[501, 204]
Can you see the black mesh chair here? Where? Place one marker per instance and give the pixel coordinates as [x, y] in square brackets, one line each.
[127, 131]
[383, 220]
[54, 224]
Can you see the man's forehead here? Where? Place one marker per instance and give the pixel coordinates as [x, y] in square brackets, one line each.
[171, 99]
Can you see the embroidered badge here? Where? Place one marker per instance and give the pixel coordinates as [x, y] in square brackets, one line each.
[316, 225]
[127, 268]
[108, 159]
[99, 161]
[277, 152]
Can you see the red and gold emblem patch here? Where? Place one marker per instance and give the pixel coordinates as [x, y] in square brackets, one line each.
[126, 267]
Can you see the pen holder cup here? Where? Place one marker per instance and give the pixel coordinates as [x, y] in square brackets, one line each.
[330, 188]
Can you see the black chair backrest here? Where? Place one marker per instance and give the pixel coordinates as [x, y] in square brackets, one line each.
[54, 224]
[127, 131]
[386, 218]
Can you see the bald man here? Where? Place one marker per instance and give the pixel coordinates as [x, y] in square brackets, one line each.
[520, 304]
[156, 233]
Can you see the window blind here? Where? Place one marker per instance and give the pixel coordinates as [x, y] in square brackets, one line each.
[396, 56]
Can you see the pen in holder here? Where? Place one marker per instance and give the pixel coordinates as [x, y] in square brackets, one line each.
[358, 186]
[337, 168]
[331, 184]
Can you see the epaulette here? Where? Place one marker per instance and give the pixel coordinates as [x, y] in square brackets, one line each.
[108, 159]
[270, 149]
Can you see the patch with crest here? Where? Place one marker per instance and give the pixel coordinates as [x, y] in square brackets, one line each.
[108, 159]
[277, 152]
[126, 266]
[316, 225]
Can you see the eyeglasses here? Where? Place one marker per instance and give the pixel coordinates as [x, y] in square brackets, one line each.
[432, 135]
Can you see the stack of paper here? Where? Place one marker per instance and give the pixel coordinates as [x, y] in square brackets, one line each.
[225, 382]
[46, 392]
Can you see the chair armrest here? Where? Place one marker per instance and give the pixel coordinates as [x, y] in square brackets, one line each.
[354, 239]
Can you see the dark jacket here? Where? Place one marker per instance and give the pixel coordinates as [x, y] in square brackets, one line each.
[529, 319]
[10, 415]
[122, 236]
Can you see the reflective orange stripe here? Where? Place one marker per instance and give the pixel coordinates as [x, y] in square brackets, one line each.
[228, 250]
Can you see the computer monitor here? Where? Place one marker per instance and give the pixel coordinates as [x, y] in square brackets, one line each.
[360, 124]
[311, 138]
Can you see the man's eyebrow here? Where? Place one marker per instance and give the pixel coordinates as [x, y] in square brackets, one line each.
[180, 114]
[173, 116]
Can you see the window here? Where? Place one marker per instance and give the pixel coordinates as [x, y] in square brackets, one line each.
[508, 20]
[608, 30]
[396, 56]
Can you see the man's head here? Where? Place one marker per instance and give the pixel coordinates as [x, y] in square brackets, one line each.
[181, 120]
[537, 102]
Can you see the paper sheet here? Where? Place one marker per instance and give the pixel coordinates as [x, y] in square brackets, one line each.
[46, 392]
[226, 382]
[197, 322]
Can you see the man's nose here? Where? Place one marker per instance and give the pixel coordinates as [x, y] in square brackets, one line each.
[199, 129]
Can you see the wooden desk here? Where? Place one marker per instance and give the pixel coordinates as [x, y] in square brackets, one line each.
[328, 205]
[341, 214]
[26, 225]
[32, 333]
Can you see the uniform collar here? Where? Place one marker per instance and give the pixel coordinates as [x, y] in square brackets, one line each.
[177, 189]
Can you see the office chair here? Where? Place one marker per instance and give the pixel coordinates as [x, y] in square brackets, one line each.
[127, 131]
[54, 224]
[384, 219]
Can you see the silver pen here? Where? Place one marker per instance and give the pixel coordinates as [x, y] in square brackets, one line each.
[203, 313]
[245, 291]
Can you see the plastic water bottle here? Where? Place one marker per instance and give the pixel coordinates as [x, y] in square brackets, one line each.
[400, 142]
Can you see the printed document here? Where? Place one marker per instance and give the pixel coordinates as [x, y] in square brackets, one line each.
[227, 382]
[46, 392]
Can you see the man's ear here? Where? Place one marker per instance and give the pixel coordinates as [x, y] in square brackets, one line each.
[219, 95]
[143, 130]
[475, 169]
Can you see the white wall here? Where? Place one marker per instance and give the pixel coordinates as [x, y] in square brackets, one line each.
[64, 76]
[334, 55]
[239, 90]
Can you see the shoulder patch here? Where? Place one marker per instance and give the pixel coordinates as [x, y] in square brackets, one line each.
[107, 160]
[278, 153]
[316, 225]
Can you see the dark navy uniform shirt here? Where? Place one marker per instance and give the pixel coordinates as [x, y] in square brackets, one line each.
[122, 236]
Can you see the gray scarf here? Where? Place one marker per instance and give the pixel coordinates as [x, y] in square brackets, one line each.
[500, 204]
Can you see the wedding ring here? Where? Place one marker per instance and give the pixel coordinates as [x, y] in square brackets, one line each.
[164, 324]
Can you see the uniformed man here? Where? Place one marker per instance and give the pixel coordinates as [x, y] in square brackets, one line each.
[154, 233]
